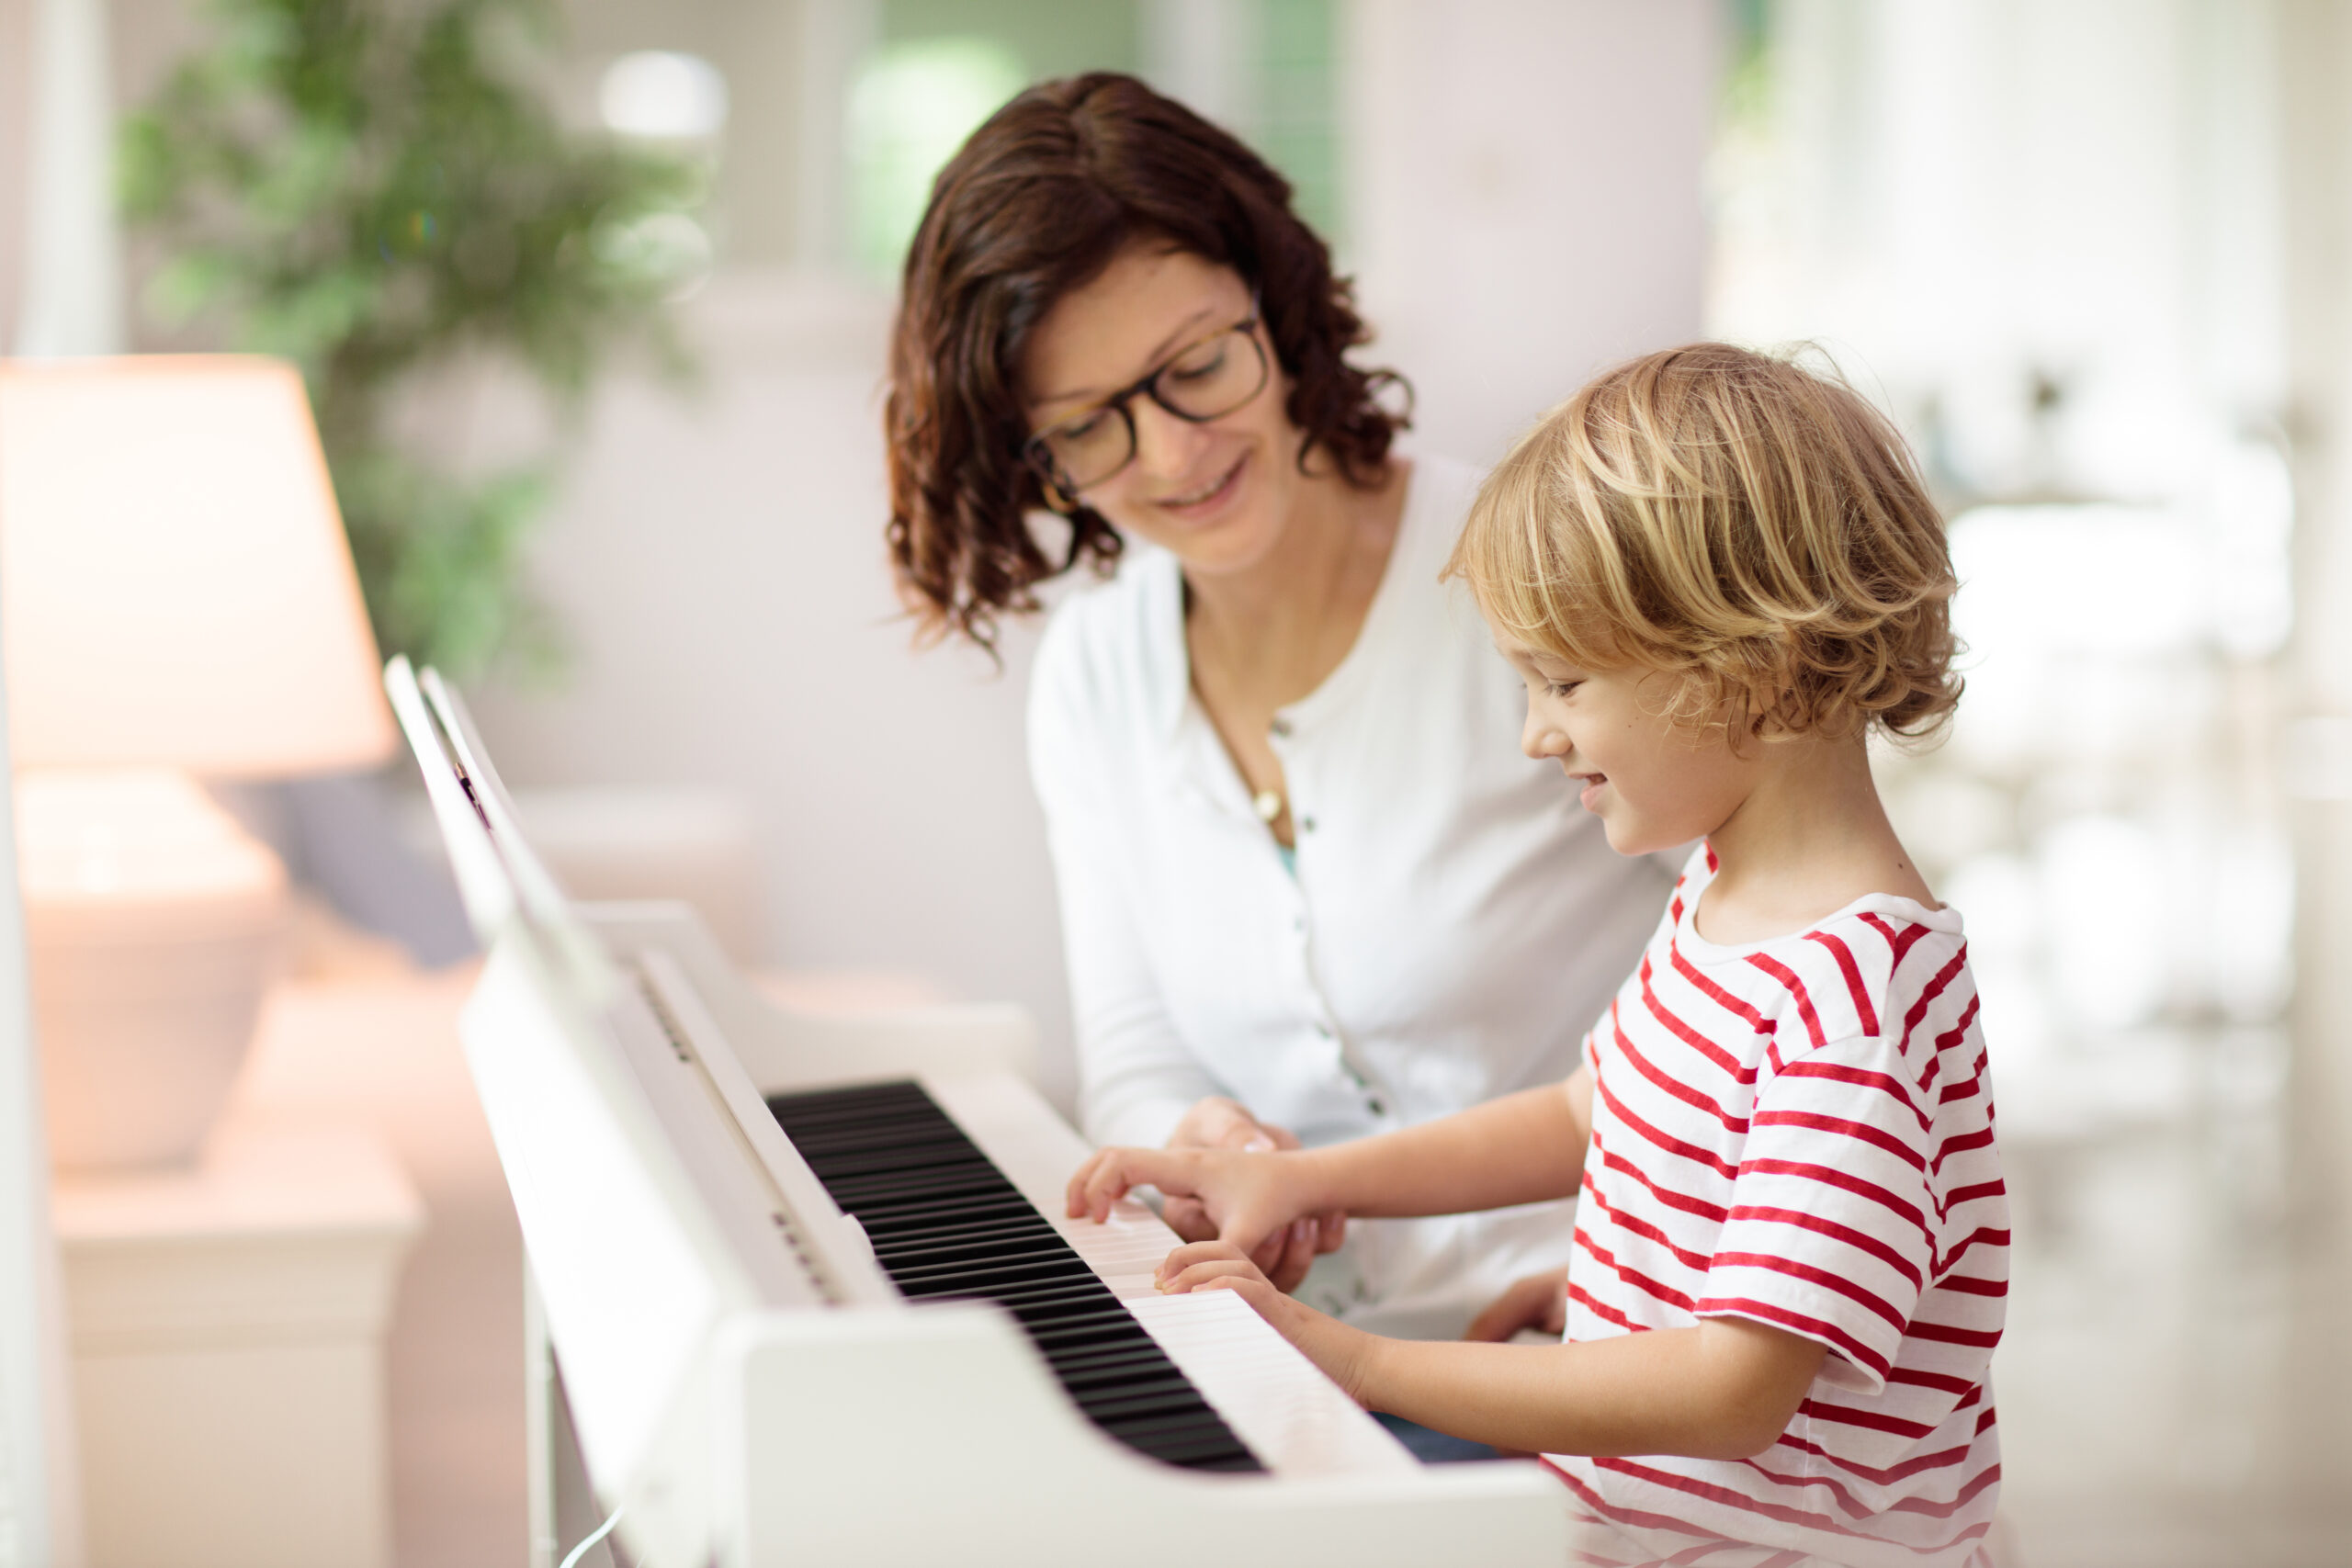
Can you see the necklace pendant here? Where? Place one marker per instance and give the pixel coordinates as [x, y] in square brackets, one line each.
[1269, 805]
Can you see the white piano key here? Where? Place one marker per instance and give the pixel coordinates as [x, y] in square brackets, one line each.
[1295, 1420]
[1293, 1417]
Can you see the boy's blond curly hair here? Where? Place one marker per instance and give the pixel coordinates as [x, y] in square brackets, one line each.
[1733, 519]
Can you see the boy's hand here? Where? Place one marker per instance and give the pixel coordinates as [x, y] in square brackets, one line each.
[1217, 1122]
[1339, 1350]
[1249, 1197]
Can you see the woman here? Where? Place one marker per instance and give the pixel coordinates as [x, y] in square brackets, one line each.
[1310, 887]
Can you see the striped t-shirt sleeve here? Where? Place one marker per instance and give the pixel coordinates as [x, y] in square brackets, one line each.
[1830, 1229]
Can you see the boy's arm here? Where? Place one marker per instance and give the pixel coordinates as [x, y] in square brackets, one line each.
[1725, 1389]
[1521, 1148]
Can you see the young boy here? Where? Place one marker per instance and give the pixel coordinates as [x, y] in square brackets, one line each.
[1715, 573]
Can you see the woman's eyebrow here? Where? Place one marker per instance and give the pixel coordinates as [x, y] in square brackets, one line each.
[1169, 344]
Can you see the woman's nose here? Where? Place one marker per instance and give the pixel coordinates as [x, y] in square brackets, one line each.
[1165, 444]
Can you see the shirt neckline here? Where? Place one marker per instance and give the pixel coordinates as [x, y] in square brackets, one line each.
[1699, 950]
[1175, 700]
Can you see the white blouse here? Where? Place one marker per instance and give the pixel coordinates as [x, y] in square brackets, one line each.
[1456, 921]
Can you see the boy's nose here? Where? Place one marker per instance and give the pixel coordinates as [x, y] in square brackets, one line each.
[1540, 741]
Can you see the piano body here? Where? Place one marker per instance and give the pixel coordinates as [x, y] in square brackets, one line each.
[812, 1296]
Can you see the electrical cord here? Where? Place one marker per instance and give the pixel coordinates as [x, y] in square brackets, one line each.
[601, 1532]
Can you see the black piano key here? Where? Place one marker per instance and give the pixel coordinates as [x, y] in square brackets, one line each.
[1123, 1379]
[1110, 1359]
[930, 1223]
[1056, 1300]
[1108, 1405]
[965, 1242]
[947, 1225]
[975, 1278]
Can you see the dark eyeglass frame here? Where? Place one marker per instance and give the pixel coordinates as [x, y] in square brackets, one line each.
[1039, 456]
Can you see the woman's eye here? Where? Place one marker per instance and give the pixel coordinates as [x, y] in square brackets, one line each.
[1198, 369]
[1079, 431]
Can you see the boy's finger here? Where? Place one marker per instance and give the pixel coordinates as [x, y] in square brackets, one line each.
[1183, 1258]
[1201, 1274]
[1086, 1186]
[1109, 1177]
[1124, 1170]
[1074, 1198]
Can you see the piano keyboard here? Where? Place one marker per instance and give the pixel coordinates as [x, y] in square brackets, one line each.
[947, 1224]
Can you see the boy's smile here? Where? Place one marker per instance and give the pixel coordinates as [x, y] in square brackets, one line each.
[1653, 780]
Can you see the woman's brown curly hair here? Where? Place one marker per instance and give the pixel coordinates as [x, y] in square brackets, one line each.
[1040, 200]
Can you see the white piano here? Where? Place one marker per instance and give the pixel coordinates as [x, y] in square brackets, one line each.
[813, 1298]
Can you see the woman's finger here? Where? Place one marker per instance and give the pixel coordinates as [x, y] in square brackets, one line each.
[1298, 1240]
[1189, 1219]
[1249, 1138]
[1539, 1301]
[1210, 1123]
[1331, 1230]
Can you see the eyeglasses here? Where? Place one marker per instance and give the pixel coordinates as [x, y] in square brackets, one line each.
[1205, 382]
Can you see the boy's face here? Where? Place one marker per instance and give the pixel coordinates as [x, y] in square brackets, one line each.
[1654, 782]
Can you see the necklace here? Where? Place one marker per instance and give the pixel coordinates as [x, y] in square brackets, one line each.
[1268, 803]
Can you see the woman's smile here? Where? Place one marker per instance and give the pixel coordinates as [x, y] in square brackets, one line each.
[1202, 502]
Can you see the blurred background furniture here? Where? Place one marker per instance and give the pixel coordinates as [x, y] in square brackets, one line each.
[227, 1325]
[178, 600]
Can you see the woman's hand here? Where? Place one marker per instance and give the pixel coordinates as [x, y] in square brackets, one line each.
[1342, 1352]
[1539, 1301]
[1249, 1198]
[1217, 1122]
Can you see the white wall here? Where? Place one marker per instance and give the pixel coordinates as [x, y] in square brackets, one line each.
[718, 561]
[1524, 195]
[1525, 190]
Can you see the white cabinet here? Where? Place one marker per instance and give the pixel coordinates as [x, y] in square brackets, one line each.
[227, 1325]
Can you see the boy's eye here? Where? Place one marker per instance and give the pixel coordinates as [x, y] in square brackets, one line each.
[1561, 688]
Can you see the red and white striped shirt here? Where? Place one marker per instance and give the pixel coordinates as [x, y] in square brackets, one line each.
[1800, 1132]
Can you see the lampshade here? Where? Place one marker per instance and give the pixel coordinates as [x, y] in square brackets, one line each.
[175, 584]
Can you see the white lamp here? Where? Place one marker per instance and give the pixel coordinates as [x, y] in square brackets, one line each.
[177, 600]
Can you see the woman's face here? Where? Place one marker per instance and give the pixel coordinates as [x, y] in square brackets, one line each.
[1216, 494]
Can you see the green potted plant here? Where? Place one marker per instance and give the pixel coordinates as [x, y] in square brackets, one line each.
[372, 189]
